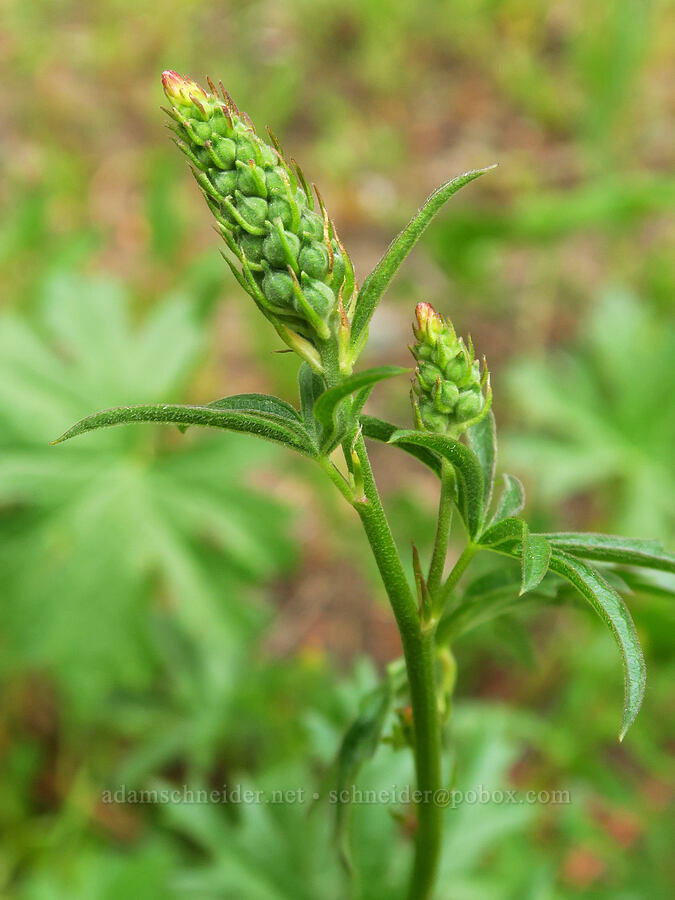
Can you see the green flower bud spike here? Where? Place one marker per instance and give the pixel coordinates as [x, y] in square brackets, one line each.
[450, 393]
[286, 255]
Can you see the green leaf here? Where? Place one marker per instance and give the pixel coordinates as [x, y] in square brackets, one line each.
[610, 548]
[482, 438]
[510, 531]
[358, 746]
[612, 610]
[468, 472]
[327, 406]
[311, 387]
[511, 500]
[265, 425]
[379, 430]
[263, 403]
[494, 581]
[377, 282]
[489, 596]
[536, 553]
[645, 584]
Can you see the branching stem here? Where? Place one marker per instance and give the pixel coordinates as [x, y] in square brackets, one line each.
[456, 573]
[443, 528]
[420, 658]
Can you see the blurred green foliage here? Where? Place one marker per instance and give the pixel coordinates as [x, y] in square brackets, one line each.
[603, 417]
[135, 621]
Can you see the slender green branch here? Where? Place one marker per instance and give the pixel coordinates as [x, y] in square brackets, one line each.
[337, 478]
[456, 573]
[419, 653]
[445, 504]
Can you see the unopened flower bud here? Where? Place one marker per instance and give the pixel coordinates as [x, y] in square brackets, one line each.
[314, 260]
[450, 394]
[286, 253]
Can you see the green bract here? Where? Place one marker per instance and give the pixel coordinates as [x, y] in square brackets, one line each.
[284, 253]
[448, 396]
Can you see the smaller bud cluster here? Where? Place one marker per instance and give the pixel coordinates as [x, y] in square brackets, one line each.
[450, 394]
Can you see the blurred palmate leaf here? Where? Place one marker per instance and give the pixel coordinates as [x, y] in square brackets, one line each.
[101, 539]
[278, 849]
[604, 417]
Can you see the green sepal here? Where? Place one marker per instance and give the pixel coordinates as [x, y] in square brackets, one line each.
[272, 427]
[613, 611]
[611, 548]
[469, 475]
[379, 430]
[377, 282]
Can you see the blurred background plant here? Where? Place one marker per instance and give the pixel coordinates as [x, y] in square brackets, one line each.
[142, 643]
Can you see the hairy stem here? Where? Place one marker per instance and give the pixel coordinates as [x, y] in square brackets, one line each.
[337, 478]
[443, 528]
[456, 573]
[419, 654]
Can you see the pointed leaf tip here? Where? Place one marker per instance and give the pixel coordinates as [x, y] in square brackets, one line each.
[613, 611]
[280, 426]
[377, 282]
[535, 559]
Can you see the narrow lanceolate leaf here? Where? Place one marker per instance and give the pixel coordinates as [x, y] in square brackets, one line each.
[482, 438]
[609, 548]
[511, 500]
[476, 612]
[378, 280]
[536, 554]
[467, 468]
[358, 745]
[611, 608]
[326, 406]
[379, 430]
[311, 387]
[488, 596]
[265, 425]
[505, 535]
[263, 403]
[645, 584]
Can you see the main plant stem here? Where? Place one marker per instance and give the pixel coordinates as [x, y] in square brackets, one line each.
[419, 653]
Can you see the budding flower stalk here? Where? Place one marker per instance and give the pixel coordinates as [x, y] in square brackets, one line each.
[284, 253]
[450, 394]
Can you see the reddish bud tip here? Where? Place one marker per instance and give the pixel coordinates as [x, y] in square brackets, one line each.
[171, 82]
[181, 90]
[428, 323]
